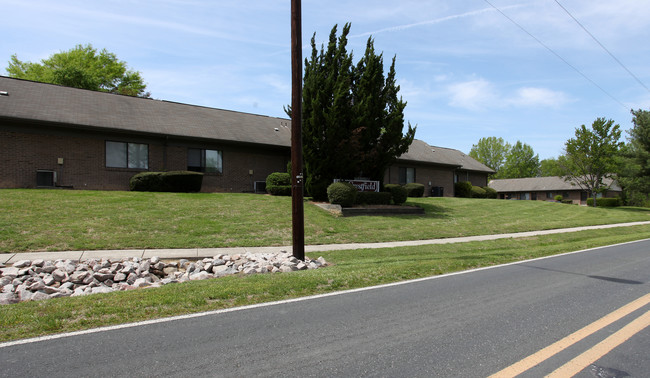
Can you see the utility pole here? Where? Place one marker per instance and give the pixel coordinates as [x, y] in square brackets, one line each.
[297, 180]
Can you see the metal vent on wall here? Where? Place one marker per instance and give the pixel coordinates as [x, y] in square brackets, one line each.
[260, 186]
[45, 178]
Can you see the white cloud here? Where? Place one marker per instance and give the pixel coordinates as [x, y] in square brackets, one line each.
[472, 95]
[481, 94]
[529, 96]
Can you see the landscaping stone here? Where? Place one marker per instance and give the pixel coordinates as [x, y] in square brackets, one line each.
[43, 279]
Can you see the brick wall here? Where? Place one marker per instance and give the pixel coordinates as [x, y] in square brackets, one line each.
[429, 176]
[22, 153]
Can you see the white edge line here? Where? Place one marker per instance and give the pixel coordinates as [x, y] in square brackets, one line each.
[286, 301]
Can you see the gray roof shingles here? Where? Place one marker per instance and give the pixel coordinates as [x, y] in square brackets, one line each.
[422, 152]
[73, 107]
[540, 184]
[84, 109]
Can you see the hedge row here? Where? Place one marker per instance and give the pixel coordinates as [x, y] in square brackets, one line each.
[346, 195]
[174, 181]
[279, 184]
[465, 189]
[605, 202]
[414, 189]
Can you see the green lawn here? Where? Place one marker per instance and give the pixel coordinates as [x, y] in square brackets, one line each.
[51, 220]
[351, 269]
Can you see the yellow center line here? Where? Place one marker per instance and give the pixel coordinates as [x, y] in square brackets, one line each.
[576, 365]
[555, 348]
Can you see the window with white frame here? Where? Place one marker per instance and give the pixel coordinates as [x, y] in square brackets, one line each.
[127, 155]
[208, 161]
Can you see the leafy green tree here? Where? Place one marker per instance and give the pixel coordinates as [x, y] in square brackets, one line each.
[82, 67]
[550, 167]
[521, 161]
[491, 151]
[591, 155]
[352, 117]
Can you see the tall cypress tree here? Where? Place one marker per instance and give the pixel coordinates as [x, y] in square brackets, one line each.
[352, 116]
[379, 116]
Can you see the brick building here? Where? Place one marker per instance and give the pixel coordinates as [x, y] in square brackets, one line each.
[54, 136]
[546, 188]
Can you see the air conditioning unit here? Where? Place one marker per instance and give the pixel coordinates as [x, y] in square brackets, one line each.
[45, 178]
[260, 186]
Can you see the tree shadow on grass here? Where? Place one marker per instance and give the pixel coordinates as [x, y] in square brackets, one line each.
[432, 211]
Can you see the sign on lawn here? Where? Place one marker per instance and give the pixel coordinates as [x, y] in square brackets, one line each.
[363, 185]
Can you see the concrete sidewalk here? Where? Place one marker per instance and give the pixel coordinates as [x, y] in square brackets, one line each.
[199, 253]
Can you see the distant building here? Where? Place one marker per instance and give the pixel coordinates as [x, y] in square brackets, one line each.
[54, 136]
[546, 188]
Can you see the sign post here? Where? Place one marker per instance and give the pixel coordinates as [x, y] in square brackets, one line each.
[297, 179]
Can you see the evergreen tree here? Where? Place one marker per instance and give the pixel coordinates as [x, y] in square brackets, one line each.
[352, 118]
[634, 161]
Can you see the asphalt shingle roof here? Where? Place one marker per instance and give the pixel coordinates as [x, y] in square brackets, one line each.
[540, 184]
[420, 151]
[98, 110]
[84, 109]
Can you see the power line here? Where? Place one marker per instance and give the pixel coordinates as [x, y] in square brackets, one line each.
[557, 55]
[604, 48]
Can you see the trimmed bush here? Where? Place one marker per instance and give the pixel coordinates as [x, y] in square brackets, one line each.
[414, 189]
[373, 198]
[605, 202]
[342, 193]
[558, 198]
[183, 181]
[278, 184]
[146, 182]
[490, 193]
[463, 189]
[398, 193]
[174, 181]
[478, 192]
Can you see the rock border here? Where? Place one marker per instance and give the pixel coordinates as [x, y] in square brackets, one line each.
[40, 279]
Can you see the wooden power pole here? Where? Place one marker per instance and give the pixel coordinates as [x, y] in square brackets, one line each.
[297, 179]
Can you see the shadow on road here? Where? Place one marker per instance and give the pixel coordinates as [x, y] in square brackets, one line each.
[610, 279]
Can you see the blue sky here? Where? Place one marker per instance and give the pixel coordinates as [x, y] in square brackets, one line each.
[465, 69]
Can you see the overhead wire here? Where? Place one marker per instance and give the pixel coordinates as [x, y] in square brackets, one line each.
[604, 48]
[557, 55]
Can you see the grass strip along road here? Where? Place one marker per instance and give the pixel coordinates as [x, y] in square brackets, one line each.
[37, 220]
[351, 269]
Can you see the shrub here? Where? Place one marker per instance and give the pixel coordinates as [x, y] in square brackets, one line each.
[605, 202]
[463, 189]
[558, 198]
[414, 189]
[567, 202]
[373, 198]
[174, 181]
[342, 193]
[478, 192]
[146, 182]
[317, 189]
[183, 181]
[278, 184]
[397, 192]
[490, 193]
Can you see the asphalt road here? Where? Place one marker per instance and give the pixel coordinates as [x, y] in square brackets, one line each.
[466, 325]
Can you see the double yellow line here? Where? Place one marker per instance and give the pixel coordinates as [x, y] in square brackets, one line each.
[576, 365]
